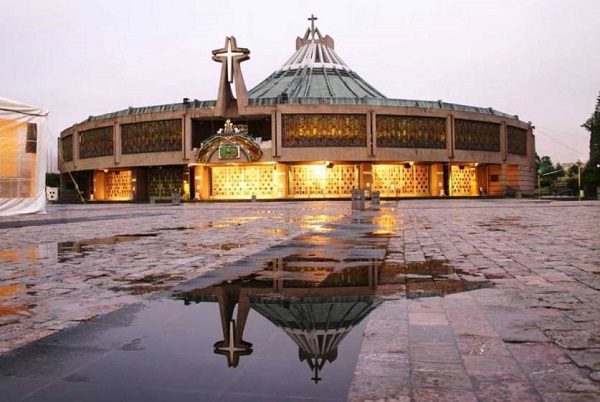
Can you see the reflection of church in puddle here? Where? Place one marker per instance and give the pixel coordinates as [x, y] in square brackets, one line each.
[317, 301]
[316, 311]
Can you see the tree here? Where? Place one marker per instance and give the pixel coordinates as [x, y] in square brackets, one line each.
[560, 171]
[544, 166]
[573, 170]
[590, 177]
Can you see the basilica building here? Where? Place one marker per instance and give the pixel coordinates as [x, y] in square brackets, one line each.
[312, 129]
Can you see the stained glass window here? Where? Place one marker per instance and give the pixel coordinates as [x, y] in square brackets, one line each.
[151, 136]
[517, 140]
[411, 132]
[324, 130]
[477, 135]
[96, 142]
[67, 148]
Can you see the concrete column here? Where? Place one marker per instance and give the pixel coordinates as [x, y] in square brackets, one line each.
[76, 139]
[274, 141]
[504, 140]
[372, 133]
[187, 137]
[531, 148]
[278, 132]
[450, 136]
[117, 142]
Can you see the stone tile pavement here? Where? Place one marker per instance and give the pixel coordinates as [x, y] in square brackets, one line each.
[77, 262]
[534, 335]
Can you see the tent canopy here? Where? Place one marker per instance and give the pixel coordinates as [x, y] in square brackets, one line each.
[23, 158]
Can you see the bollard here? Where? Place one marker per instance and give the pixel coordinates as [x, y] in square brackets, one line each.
[253, 197]
[358, 199]
[175, 198]
[375, 198]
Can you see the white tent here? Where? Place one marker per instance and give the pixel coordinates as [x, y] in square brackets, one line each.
[23, 158]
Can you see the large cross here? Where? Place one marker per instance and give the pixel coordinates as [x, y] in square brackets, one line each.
[228, 54]
[312, 20]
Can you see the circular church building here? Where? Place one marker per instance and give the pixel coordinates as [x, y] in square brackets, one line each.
[312, 129]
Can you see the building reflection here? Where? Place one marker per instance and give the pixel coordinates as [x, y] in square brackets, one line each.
[316, 306]
[317, 300]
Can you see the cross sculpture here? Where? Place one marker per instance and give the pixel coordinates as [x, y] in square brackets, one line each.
[312, 20]
[228, 53]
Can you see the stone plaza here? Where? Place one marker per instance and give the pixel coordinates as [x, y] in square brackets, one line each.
[466, 300]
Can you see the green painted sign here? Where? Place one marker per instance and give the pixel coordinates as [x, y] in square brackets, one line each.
[229, 151]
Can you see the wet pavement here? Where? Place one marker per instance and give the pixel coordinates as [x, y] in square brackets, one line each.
[418, 300]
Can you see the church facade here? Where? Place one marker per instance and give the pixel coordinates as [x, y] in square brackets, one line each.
[312, 129]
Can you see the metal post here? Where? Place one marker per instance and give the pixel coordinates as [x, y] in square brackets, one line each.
[579, 182]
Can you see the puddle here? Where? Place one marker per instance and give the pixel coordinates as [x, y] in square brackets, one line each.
[316, 223]
[316, 301]
[313, 307]
[142, 289]
[276, 232]
[149, 284]
[237, 221]
[225, 246]
[11, 302]
[67, 250]
[436, 278]
[72, 249]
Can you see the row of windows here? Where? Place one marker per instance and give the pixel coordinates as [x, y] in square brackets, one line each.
[312, 130]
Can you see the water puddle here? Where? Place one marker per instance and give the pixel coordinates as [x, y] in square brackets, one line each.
[65, 251]
[72, 249]
[149, 284]
[11, 303]
[316, 301]
[237, 221]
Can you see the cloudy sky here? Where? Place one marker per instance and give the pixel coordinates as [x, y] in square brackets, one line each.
[539, 59]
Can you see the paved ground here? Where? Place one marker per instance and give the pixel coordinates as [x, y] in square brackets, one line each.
[534, 335]
[77, 262]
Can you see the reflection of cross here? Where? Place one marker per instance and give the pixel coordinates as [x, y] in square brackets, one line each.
[229, 55]
[230, 347]
[312, 20]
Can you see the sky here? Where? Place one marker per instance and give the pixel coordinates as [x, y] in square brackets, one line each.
[538, 59]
